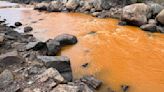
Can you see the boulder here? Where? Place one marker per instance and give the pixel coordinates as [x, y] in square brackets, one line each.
[53, 47]
[18, 24]
[149, 27]
[10, 59]
[6, 77]
[61, 63]
[156, 8]
[55, 6]
[160, 17]
[28, 29]
[50, 73]
[91, 82]
[136, 14]
[35, 45]
[66, 39]
[41, 6]
[104, 4]
[72, 4]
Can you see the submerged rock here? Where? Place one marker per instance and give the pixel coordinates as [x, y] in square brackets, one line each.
[61, 63]
[28, 29]
[66, 39]
[136, 14]
[18, 24]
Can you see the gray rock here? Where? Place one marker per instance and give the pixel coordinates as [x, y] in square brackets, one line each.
[66, 39]
[136, 14]
[61, 63]
[50, 73]
[152, 21]
[6, 77]
[91, 82]
[156, 8]
[55, 6]
[149, 27]
[125, 88]
[41, 6]
[28, 29]
[160, 29]
[72, 4]
[2, 38]
[35, 46]
[87, 6]
[53, 47]
[13, 35]
[160, 17]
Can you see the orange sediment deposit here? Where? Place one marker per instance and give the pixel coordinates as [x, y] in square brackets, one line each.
[115, 54]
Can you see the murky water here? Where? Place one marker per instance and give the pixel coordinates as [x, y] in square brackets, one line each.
[115, 54]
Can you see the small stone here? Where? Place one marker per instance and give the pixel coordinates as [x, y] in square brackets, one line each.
[28, 29]
[85, 65]
[6, 77]
[50, 73]
[18, 24]
[124, 88]
[149, 27]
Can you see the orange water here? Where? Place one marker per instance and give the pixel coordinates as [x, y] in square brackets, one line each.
[117, 55]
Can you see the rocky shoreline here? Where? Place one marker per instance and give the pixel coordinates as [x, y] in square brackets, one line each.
[29, 65]
[146, 15]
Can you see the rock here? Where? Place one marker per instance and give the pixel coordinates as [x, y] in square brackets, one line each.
[65, 88]
[72, 4]
[6, 77]
[87, 6]
[103, 4]
[10, 58]
[13, 35]
[156, 8]
[122, 23]
[96, 14]
[2, 38]
[35, 46]
[160, 17]
[149, 27]
[18, 24]
[125, 88]
[41, 6]
[66, 39]
[85, 65]
[160, 29]
[28, 29]
[152, 21]
[91, 82]
[50, 73]
[136, 14]
[55, 6]
[61, 63]
[53, 47]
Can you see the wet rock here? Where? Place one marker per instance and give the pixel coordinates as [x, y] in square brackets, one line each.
[91, 82]
[65, 88]
[125, 88]
[41, 6]
[160, 17]
[160, 29]
[28, 29]
[149, 27]
[136, 14]
[18, 24]
[152, 21]
[85, 65]
[6, 77]
[12, 27]
[96, 14]
[66, 39]
[13, 35]
[10, 58]
[156, 8]
[35, 46]
[61, 63]
[72, 4]
[55, 6]
[122, 23]
[53, 47]
[50, 73]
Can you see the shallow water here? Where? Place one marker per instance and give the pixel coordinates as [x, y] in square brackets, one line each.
[117, 55]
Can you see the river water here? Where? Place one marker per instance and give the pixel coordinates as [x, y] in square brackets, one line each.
[117, 55]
